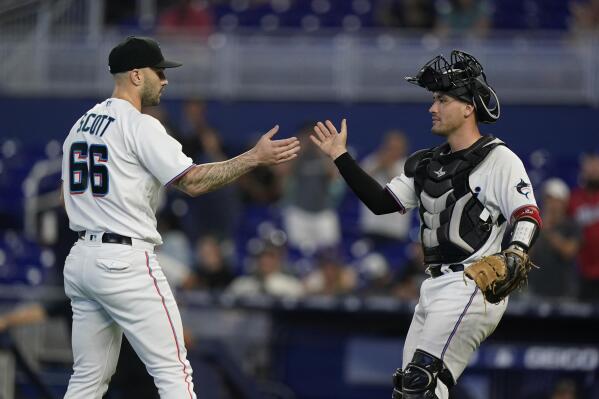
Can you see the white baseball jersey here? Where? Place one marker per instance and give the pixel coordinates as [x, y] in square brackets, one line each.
[501, 184]
[115, 160]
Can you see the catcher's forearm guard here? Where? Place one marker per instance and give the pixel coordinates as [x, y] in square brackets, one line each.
[524, 235]
[527, 224]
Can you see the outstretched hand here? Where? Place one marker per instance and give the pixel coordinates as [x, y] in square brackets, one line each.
[331, 142]
[271, 152]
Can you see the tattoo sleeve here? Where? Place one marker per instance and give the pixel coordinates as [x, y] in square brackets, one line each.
[211, 176]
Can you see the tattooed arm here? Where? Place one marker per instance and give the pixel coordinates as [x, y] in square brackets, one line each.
[210, 176]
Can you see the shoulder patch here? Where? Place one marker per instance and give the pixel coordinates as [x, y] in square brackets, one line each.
[523, 188]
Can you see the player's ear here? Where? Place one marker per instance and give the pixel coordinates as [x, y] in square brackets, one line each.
[468, 110]
[136, 77]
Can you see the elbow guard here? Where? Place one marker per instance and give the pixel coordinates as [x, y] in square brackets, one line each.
[527, 224]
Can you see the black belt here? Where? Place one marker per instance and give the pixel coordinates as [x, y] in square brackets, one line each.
[111, 238]
[435, 271]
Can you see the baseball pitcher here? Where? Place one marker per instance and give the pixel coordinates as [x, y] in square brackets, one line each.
[115, 161]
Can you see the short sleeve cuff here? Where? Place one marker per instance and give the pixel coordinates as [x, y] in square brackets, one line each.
[180, 175]
[402, 208]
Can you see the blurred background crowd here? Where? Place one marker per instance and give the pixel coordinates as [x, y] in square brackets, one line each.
[472, 17]
[287, 253]
[295, 229]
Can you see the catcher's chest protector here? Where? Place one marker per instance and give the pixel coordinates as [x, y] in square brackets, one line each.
[454, 223]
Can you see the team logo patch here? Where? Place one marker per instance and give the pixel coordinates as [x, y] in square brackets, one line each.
[523, 188]
[440, 172]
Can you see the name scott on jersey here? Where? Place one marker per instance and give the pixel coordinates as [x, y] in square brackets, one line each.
[95, 124]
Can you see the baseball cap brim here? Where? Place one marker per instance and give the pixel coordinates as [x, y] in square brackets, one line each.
[167, 64]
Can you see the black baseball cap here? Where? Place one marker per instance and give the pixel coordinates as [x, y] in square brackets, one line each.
[138, 52]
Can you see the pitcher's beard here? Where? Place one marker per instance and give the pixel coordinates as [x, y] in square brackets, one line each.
[149, 99]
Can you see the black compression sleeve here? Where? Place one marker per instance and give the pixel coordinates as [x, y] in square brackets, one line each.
[370, 192]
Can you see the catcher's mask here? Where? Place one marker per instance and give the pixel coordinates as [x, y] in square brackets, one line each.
[461, 77]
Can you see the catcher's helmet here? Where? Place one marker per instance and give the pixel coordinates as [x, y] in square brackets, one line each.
[461, 77]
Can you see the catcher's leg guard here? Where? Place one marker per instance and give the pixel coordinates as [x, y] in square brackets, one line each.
[397, 384]
[420, 376]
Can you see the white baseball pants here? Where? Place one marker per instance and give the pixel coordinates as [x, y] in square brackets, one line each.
[116, 289]
[450, 322]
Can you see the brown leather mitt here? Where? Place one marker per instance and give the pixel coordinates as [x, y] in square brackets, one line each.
[500, 274]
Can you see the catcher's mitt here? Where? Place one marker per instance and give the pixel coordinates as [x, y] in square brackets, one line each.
[500, 274]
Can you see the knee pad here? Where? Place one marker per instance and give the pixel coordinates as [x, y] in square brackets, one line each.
[421, 374]
[397, 384]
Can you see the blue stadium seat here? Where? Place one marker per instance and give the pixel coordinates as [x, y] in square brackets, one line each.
[21, 260]
[330, 13]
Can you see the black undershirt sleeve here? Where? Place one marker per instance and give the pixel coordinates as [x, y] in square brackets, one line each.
[368, 190]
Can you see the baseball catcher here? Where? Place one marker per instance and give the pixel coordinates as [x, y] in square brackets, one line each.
[471, 192]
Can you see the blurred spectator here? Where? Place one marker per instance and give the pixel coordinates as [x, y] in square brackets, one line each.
[406, 14]
[160, 113]
[200, 138]
[215, 213]
[312, 190]
[35, 313]
[175, 243]
[584, 207]
[211, 271]
[187, 16]
[564, 389]
[268, 277]
[383, 165]
[331, 277]
[465, 17]
[175, 252]
[410, 275]
[585, 15]
[175, 271]
[262, 185]
[557, 246]
[194, 116]
[378, 280]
